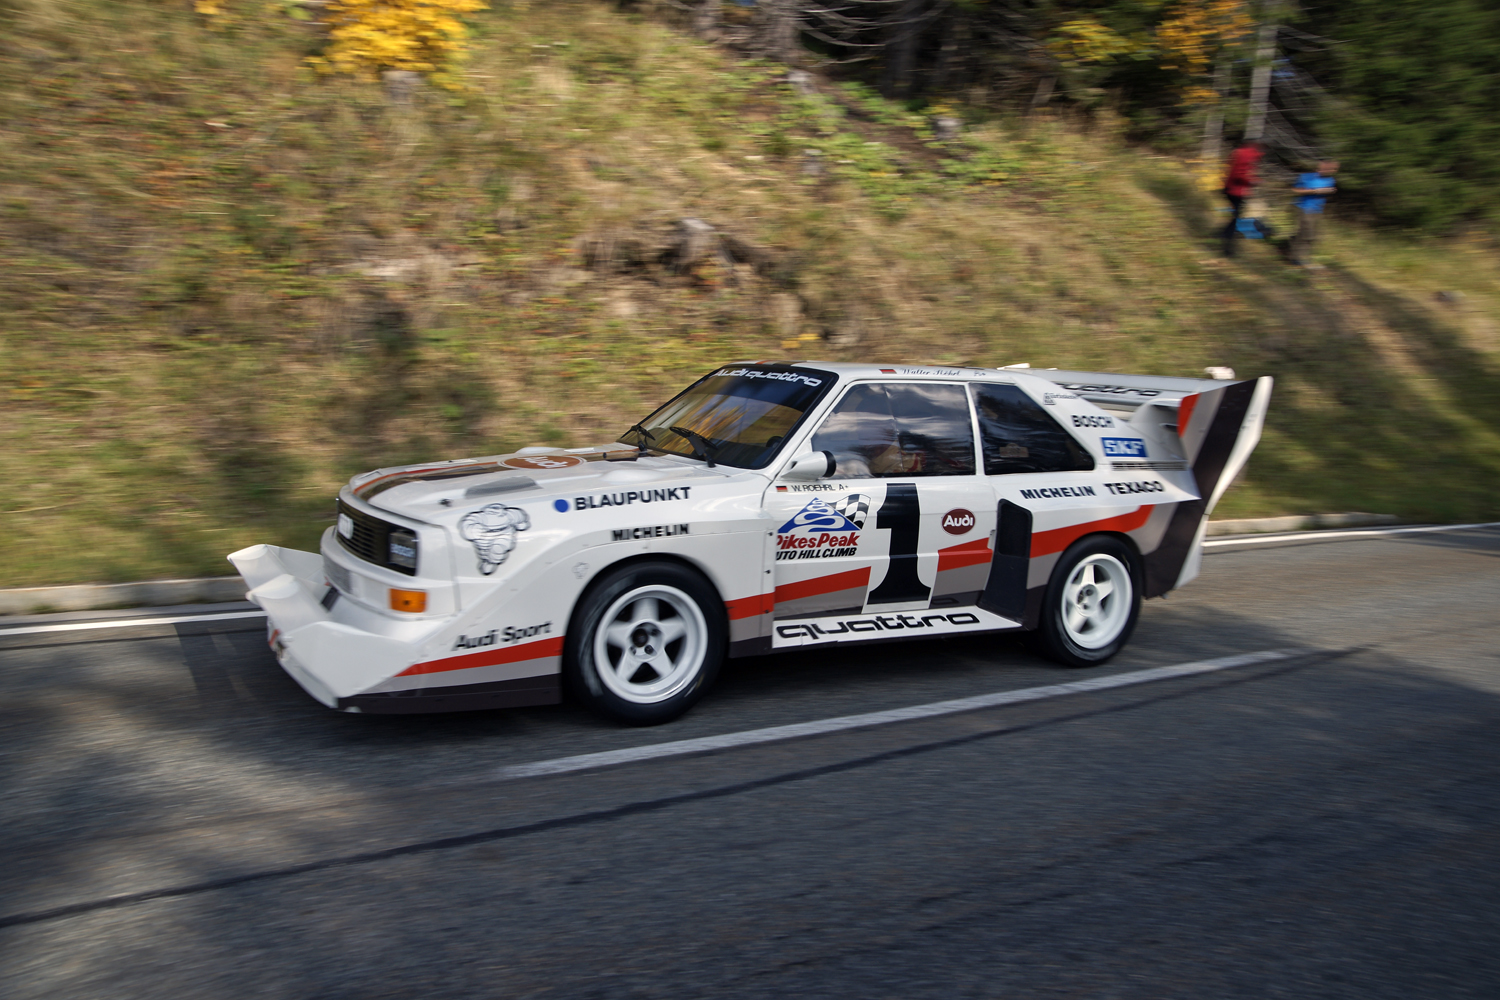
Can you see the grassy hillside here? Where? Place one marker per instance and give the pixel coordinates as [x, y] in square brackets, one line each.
[226, 285]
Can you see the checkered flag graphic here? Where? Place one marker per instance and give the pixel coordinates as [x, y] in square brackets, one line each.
[855, 506]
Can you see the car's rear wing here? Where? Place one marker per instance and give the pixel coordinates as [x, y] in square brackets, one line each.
[1213, 425]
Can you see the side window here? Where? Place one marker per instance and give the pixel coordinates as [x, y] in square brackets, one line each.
[1019, 436]
[899, 429]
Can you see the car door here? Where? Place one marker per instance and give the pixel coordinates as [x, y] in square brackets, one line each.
[902, 524]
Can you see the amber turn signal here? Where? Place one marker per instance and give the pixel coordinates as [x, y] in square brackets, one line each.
[414, 601]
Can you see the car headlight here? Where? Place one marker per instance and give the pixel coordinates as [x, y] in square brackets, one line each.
[403, 549]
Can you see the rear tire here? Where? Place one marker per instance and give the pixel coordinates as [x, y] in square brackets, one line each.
[1092, 603]
[645, 642]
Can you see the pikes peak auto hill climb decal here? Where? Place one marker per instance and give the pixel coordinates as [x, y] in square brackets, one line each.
[848, 514]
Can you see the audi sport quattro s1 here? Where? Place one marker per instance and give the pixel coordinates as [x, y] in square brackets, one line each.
[767, 507]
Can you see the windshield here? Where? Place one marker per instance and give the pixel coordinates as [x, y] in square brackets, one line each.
[739, 416]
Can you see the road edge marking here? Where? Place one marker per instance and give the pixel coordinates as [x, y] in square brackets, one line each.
[128, 622]
[1316, 536]
[818, 727]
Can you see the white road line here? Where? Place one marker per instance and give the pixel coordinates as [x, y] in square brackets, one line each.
[128, 622]
[589, 761]
[1214, 543]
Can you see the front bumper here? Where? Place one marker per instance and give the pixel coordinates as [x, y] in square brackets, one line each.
[357, 670]
[332, 661]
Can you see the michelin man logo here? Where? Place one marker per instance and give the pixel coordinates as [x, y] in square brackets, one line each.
[493, 530]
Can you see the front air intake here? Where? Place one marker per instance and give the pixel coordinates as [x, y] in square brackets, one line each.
[369, 538]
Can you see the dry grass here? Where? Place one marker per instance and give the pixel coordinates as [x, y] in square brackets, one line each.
[227, 286]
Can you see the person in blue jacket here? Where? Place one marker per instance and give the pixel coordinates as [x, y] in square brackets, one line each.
[1312, 190]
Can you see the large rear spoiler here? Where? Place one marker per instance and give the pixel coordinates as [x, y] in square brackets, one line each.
[1214, 425]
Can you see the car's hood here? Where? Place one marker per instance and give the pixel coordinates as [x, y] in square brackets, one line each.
[428, 492]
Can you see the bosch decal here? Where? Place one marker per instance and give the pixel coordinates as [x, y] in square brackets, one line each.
[1085, 420]
[1124, 447]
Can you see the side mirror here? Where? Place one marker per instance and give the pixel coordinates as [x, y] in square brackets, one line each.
[810, 466]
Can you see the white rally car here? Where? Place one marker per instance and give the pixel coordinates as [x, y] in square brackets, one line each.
[766, 507]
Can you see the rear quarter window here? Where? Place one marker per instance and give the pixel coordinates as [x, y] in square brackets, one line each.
[1018, 435]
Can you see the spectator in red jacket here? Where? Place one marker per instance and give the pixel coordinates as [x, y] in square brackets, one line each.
[1239, 184]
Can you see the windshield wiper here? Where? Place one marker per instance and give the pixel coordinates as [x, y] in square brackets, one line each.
[698, 441]
[645, 438]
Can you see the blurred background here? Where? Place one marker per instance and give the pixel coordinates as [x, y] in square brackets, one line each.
[249, 248]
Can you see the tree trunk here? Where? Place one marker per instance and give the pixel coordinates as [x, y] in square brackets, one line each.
[779, 29]
[901, 50]
[706, 18]
[1213, 126]
[1260, 79]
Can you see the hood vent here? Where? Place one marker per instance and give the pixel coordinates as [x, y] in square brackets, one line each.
[510, 484]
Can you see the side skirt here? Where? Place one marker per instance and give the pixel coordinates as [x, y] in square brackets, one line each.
[520, 693]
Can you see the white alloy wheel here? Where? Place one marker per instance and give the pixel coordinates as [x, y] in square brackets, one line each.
[650, 644]
[1096, 601]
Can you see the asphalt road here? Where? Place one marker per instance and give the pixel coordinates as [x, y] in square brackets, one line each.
[179, 820]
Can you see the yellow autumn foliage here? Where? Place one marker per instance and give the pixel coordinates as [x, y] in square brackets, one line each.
[1084, 40]
[1196, 29]
[367, 36]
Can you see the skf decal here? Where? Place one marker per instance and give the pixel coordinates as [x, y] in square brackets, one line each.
[1124, 447]
[847, 514]
[1147, 486]
[1057, 492]
[622, 499]
[816, 546]
[655, 531]
[493, 530]
[876, 623]
[958, 521]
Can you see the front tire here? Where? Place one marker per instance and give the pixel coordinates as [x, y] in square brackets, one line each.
[645, 642]
[1092, 603]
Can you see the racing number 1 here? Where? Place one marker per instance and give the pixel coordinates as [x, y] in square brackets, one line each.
[900, 513]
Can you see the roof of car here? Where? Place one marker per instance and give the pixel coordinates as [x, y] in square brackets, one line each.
[849, 370]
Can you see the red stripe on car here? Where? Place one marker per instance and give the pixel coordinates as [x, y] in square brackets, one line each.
[749, 607]
[489, 657]
[967, 554]
[1185, 412]
[823, 585]
[1044, 543]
